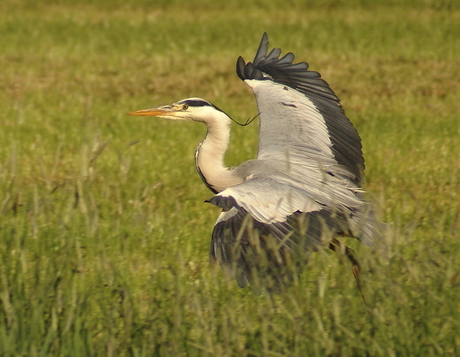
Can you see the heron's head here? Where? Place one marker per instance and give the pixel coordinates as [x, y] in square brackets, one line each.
[195, 109]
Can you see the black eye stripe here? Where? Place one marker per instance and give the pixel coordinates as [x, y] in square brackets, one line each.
[198, 103]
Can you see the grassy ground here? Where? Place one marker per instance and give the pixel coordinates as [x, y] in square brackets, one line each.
[104, 236]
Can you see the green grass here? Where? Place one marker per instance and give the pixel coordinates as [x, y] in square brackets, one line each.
[104, 236]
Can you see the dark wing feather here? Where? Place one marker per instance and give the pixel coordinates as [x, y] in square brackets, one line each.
[267, 255]
[346, 143]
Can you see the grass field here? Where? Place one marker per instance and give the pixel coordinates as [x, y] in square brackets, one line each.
[104, 235]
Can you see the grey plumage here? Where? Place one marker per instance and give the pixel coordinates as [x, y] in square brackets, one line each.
[346, 143]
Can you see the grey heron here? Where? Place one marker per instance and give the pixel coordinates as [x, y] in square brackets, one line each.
[302, 191]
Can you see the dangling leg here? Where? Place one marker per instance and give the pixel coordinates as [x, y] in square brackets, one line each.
[337, 246]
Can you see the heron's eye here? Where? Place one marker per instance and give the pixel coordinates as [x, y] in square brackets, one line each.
[184, 107]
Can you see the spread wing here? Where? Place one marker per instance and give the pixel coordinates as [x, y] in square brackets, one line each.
[267, 255]
[269, 224]
[304, 187]
[299, 112]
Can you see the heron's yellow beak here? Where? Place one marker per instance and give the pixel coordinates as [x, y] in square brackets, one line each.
[154, 112]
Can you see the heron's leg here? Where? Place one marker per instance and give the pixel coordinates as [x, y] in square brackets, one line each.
[337, 246]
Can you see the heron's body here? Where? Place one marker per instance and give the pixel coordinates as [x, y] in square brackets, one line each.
[303, 189]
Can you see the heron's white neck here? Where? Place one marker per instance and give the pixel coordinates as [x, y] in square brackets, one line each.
[209, 155]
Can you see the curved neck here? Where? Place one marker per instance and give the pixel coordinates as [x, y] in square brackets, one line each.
[209, 155]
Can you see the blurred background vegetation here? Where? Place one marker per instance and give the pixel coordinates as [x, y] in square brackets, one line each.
[103, 234]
